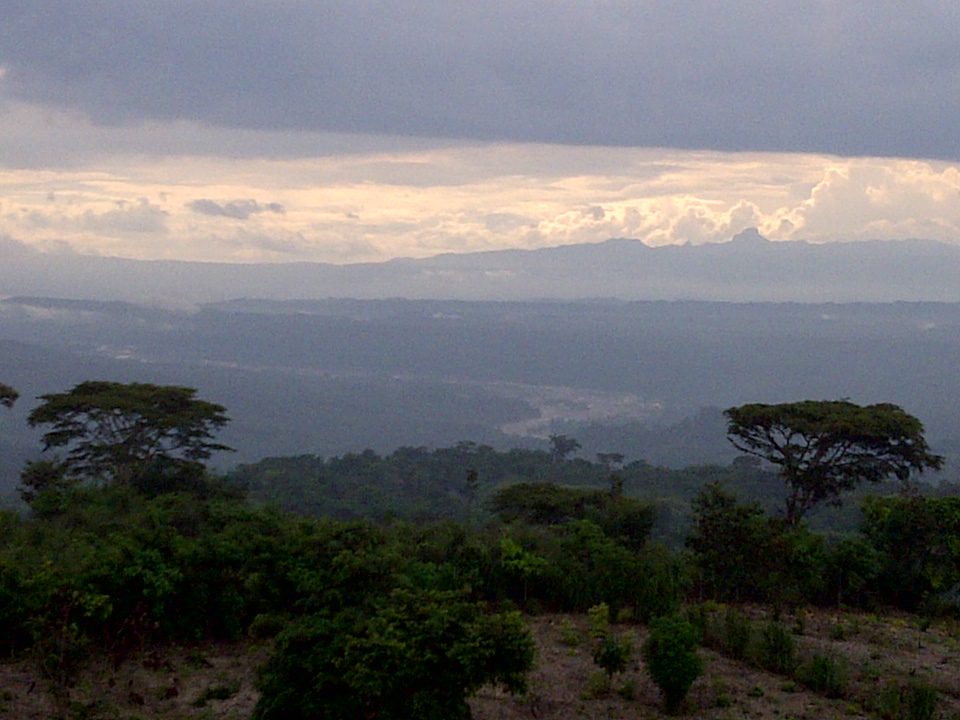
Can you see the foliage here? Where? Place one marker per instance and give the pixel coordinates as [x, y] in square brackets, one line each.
[569, 635]
[729, 542]
[544, 503]
[826, 675]
[590, 569]
[613, 654]
[738, 631]
[519, 563]
[120, 432]
[778, 649]
[461, 482]
[599, 617]
[824, 448]
[922, 702]
[661, 584]
[365, 611]
[418, 654]
[672, 660]
[743, 555]
[45, 487]
[8, 396]
[626, 520]
[916, 701]
[918, 541]
[853, 566]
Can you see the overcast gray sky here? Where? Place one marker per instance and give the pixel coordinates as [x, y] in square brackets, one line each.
[365, 129]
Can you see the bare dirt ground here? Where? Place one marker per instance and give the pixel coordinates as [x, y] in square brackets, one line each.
[879, 656]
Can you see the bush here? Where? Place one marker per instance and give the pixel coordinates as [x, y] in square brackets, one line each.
[826, 675]
[613, 655]
[414, 655]
[778, 650]
[672, 660]
[599, 616]
[737, 632]
[916, 702]
[921, 702]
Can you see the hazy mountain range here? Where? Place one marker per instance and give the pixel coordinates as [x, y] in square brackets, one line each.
[746, 269]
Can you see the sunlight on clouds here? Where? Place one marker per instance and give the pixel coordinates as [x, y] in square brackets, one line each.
[866, 199]
[366, 206]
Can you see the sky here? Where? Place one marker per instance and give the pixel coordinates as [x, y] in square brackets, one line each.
[362, 130]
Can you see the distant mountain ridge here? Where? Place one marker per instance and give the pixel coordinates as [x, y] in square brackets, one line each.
[748, 268]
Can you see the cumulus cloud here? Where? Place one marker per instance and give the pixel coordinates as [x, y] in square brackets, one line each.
[237, 209]
[860, 200]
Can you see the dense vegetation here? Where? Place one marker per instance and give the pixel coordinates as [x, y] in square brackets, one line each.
[459, 483]
[363, 609]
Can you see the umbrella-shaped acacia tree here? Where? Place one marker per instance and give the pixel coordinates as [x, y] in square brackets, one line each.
[117, 432]
[826, 447]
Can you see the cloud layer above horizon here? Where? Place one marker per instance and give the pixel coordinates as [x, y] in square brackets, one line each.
[246, 130]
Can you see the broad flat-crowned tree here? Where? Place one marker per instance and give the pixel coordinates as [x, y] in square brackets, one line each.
[8, 396]
[117, 432]
[826, 447]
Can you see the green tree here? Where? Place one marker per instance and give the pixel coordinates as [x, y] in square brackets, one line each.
[544, 503]
[8, 396]
[918, 540]
[519, 563]
[121, 432]
[827, 447]
[45, 487]
[730, 542]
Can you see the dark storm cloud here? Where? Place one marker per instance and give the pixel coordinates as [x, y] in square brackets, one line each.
[853, 77]
[238, 209]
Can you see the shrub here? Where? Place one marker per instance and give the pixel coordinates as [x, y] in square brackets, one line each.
[826, 675]
[838, 631]
[613, 655]
[628, 691]
[778, 650]
[599, 616]
[568, 633]
[737, 633]
[698, 615]
[672, 660]
[916, 702]
[921, 702]
[413, 655]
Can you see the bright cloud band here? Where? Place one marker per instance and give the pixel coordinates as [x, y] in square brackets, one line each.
[378, 198]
